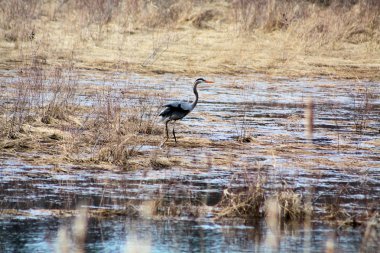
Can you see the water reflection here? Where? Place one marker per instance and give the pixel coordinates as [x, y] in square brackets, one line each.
[120, 234]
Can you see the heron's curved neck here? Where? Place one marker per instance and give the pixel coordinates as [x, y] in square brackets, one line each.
[196, 95]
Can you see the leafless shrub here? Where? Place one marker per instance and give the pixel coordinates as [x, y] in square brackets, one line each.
[114, 129]
[269, 15]
[242, 128]
[99, 12]
[37, 94]
[107, 130]
[362, 97]
[17, 18]
[61, 88]
[96, 14]
[25, 101]
[144, 114]
[18, 110]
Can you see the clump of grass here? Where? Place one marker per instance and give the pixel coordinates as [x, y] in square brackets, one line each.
[254, 201]
[158, 163]
[95, 15]
[247, 203]
[289, 204]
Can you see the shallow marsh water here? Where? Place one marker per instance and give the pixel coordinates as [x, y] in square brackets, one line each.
[339, 166]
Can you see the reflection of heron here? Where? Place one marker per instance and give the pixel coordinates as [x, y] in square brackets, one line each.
[177, 110]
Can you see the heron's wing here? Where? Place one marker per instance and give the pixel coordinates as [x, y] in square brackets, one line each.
[181, 105]
[176, 108]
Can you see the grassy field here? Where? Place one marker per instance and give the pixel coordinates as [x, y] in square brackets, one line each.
[336, 39]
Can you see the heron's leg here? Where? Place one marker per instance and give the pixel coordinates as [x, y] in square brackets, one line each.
[167, 131]
[175, 139]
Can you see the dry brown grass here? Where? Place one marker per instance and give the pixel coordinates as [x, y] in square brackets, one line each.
[41, 113]
[292, 38]
[247, 204]
[255, 201]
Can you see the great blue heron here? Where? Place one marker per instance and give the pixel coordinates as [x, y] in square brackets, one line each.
[179, 109]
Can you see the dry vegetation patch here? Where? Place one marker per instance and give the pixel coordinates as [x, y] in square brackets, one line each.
[292, 38]
[41, 113]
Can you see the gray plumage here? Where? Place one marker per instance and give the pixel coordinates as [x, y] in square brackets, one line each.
[176, 110]
[179, 109]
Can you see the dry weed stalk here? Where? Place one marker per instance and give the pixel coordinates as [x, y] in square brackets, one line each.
[309, 119]
[371, 242]
[363, 98]
[273, 220]
[72, 239]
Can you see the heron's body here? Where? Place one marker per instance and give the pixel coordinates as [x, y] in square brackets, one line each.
[178, 110]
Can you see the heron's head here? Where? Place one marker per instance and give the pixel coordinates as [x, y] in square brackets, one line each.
[202, 80]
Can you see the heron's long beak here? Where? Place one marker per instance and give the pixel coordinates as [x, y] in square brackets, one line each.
[206, 81]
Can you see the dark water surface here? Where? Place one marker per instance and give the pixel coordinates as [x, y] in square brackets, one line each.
[137, 235]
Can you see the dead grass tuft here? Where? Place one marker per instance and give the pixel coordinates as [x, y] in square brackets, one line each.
[255, 201]
[159, 163]
[290, 205]
[247, 203]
